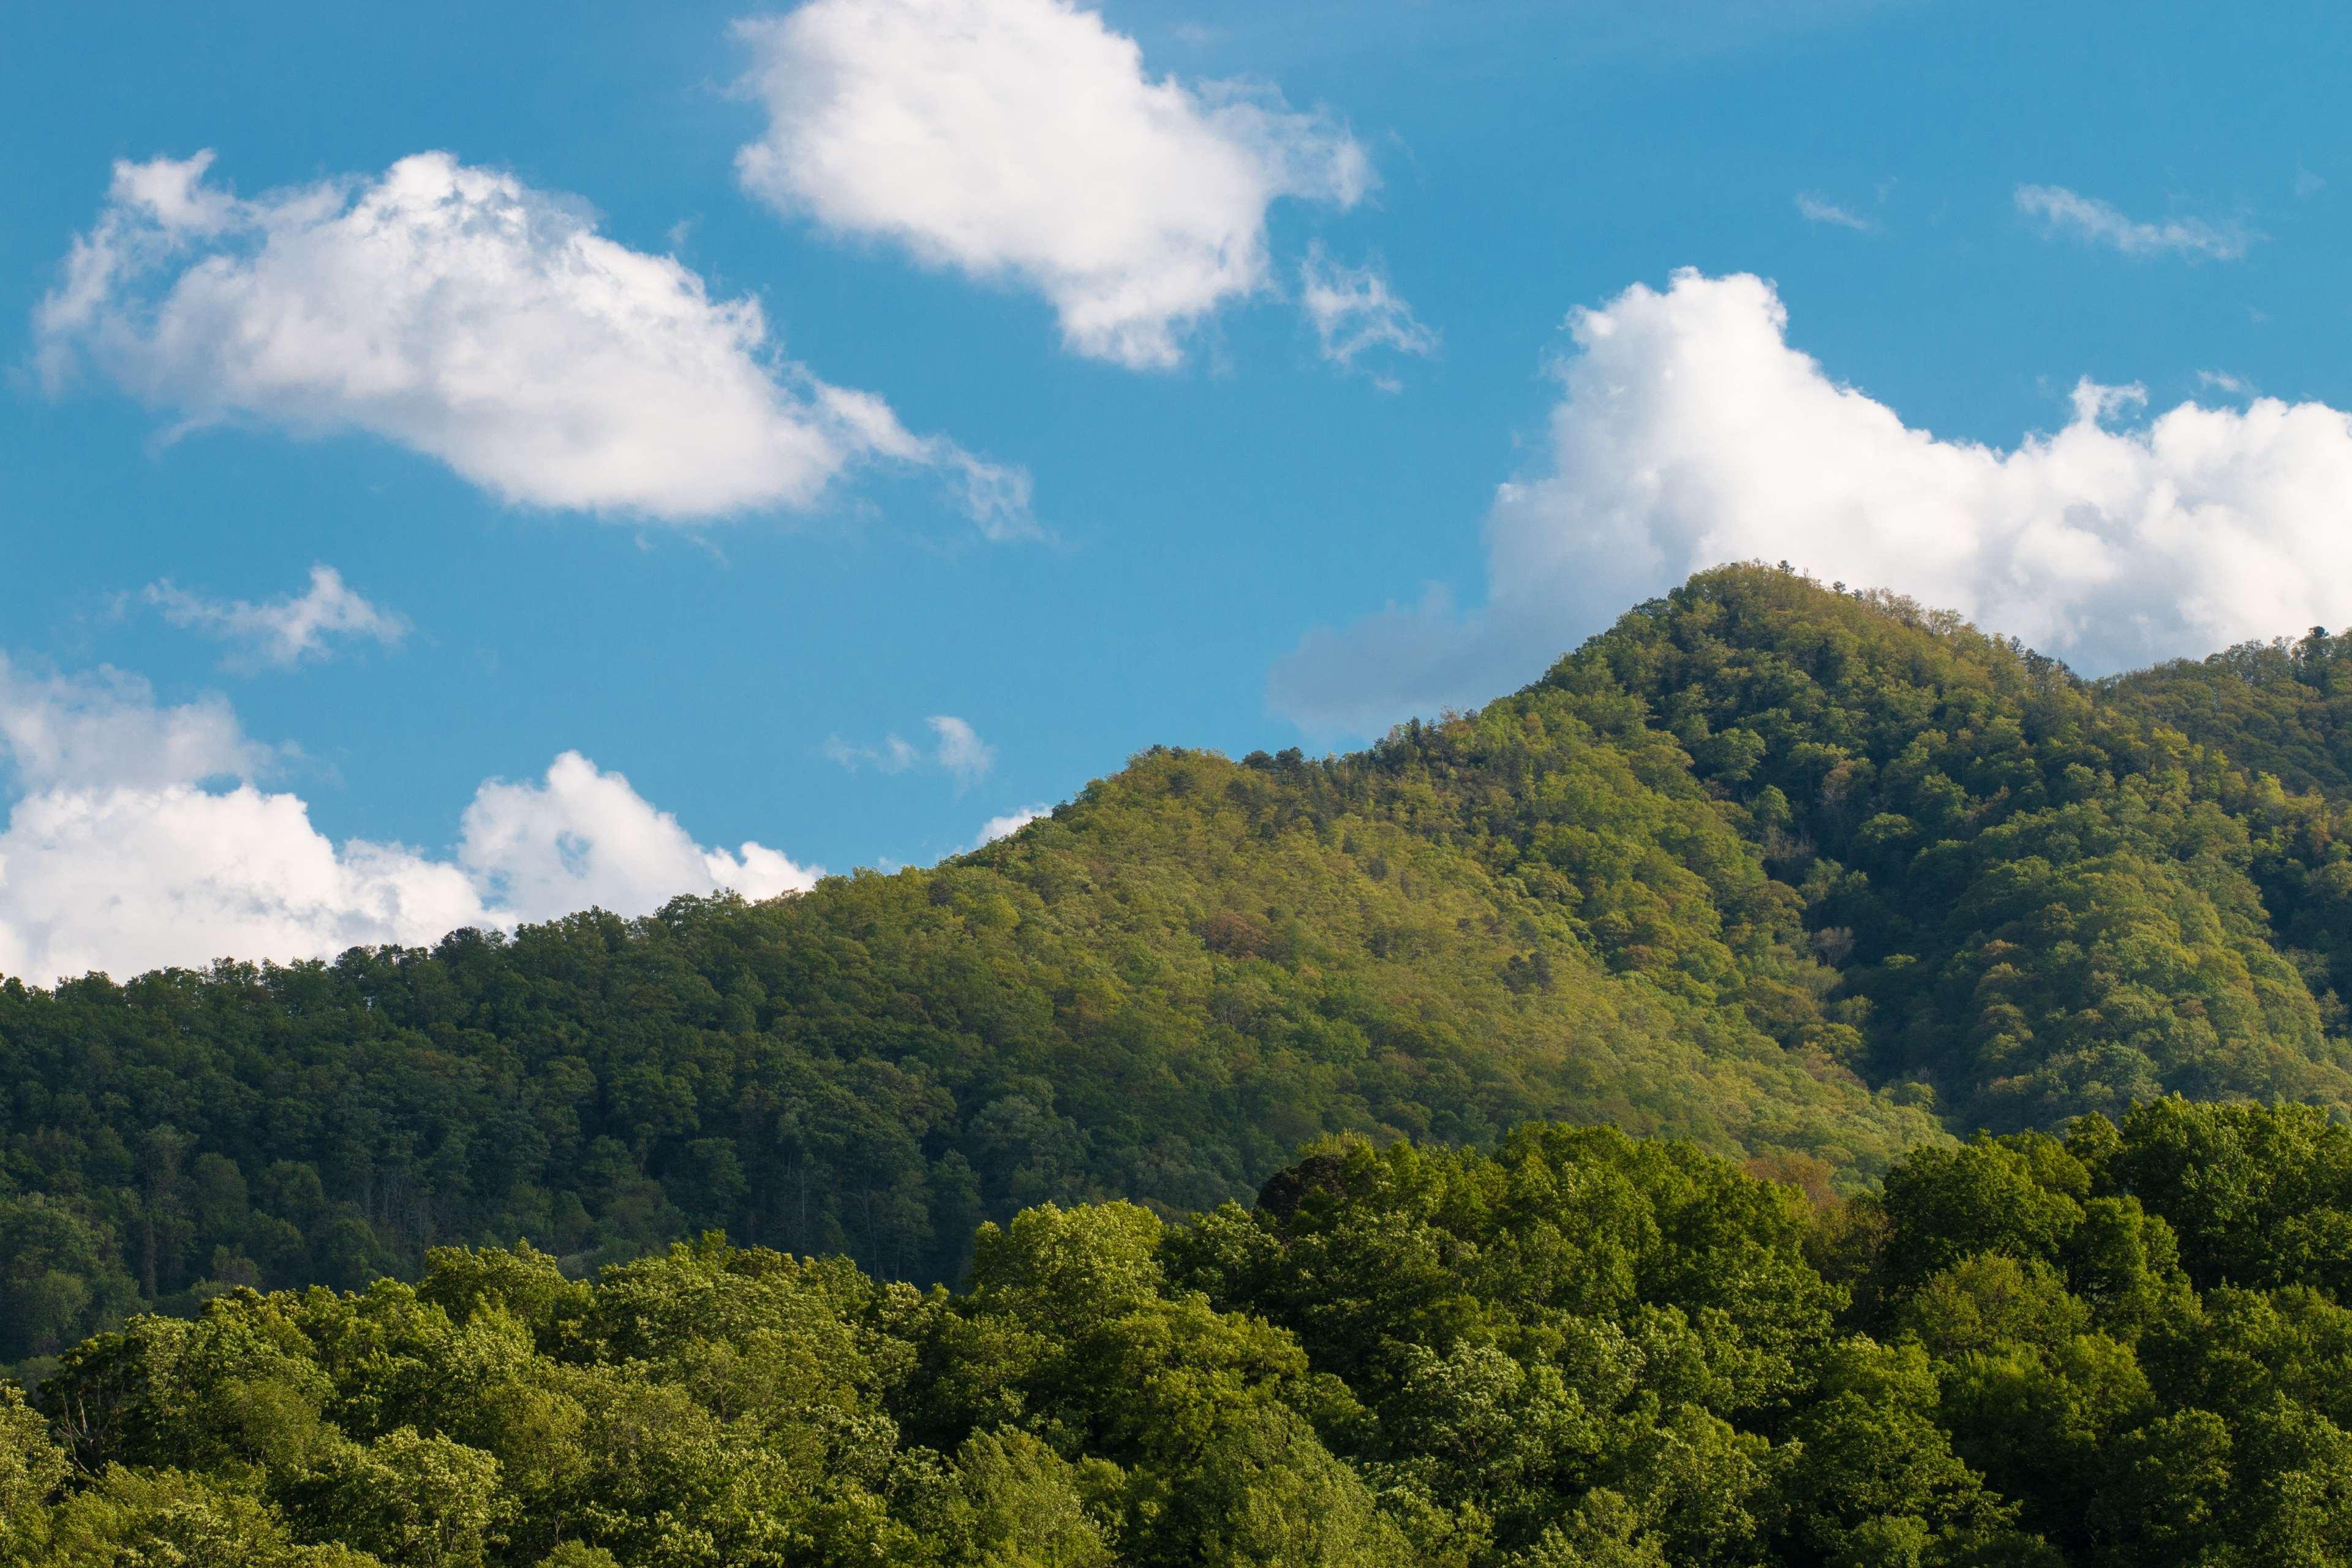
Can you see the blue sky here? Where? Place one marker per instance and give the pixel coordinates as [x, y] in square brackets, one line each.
[2004, 201]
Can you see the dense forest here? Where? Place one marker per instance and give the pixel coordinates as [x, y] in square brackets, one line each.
[2121, 1347]
[2282, 708]
[1808, 878]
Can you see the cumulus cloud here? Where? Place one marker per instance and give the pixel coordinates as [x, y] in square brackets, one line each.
[2088, 218]
[956, 749]
[284, 631]
[1690, 433]
[125, 879]
[141, 836]
[1354, 310]
[72, 731]
[581, 837]
[464, 315]
[1023, 141]
[1011, 823]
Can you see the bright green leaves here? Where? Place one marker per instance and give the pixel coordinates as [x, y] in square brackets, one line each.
[1988, 1300]
[1208, 1420]
[1027, 1507]
[404, 1498]
[2051, 906]
[168, 1518]
[1068, 1270]
[1580, 1351]
[32, 1468]
[1873, 1478]
[2019, 1196]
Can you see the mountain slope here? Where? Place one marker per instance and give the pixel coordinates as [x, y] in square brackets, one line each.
[2050, 901]
[2279, 707]
[1160, 993]
[1766, 866]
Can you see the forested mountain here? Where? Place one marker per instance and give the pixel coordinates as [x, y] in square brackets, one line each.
[2121, 1350]
[2042, 898]
[2282, 708]
[1805, 876]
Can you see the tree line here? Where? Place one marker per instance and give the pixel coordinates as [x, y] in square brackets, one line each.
[2125, 1345]
[1794, 874]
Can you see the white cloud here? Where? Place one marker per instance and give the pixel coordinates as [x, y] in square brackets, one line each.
[1020, 140]
[2089, 218]
[581, 837]
[124, 878]
[73, 731]
[957, 750]
[960, 749]
[1816, 209]
[893, 756]
[283, 631]
[463, 314]
[1354, 310]
[1011, 823]
[117, 856]
[1689, 433]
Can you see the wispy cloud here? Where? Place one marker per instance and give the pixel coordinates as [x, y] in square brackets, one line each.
[960, 749]
[893, 756]
[284, 631]
[956, 749]
[2101, 223]
[1354, 310]
[1819, 209]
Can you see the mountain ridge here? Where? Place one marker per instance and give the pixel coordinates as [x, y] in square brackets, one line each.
[1805, 876]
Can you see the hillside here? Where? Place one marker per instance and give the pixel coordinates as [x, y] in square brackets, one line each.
[1791, 873]
[2282, 708]
[2126, 1350]
[2044, 897]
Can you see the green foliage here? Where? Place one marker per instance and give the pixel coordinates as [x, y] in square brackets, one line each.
[1028, 1505]
[404, 1498]
[1779, 870]
[2043, 899]
[2284, 707]
[1767, 874]
[32, 1468]
[169, 1519]
[1581, 1351]
[1157, 994]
